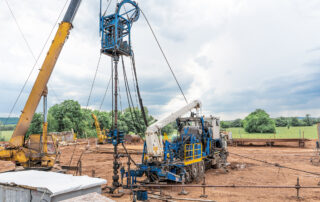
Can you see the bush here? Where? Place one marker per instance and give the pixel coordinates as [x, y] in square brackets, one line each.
[259, 122]
[237, 123]
[225, 124]
[282, 122]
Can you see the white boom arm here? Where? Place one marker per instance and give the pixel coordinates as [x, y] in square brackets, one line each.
[153, 136]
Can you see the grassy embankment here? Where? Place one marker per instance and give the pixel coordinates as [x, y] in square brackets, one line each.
[309, 132]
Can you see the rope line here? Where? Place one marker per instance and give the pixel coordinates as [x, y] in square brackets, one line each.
[20, 30]
[165, 57]
[134, 118]
[107, 7]
[94, 79]
[105, 92]
[138, 91]
[275, 164]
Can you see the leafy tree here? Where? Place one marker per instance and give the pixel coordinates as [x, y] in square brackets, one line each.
[105, 120]
[134, 120]
[259, 122]
[169, 128]
[282, 122]
[68, 115]
[52, 123]
[308, 120]
[236, 123]
[294, 121]
[36, 124]
[225, 124]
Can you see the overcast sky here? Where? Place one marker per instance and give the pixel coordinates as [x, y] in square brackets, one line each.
[233, 55]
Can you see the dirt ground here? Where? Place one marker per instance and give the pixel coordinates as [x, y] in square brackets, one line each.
[241, 172]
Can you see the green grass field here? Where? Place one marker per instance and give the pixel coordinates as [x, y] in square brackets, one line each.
[6, 135]
[309, 132]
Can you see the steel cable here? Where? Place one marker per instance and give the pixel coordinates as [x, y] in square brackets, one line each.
[138, 90]
[94, 79]
[105, 93]
[275, 164]
[134, 118]
[165, 57]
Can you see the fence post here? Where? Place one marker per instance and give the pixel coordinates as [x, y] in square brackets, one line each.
[300, 133]
[298, 188]
[1, 130]
[318, 132]
[183, 191]
[203, 195]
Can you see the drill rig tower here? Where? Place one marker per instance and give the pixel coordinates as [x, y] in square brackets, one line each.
[116, 42]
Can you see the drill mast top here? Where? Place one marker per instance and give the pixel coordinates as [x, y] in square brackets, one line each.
[115, 28]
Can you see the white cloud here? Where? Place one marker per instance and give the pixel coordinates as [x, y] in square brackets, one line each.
[234, 55]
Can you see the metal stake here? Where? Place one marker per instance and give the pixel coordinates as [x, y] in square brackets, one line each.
[203, 195]
[183, 192]
[298, 187]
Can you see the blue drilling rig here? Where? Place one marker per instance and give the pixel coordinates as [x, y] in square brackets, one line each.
[198, 145]
[115, 32]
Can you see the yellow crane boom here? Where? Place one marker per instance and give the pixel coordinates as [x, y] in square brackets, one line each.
[17, 150]
[101, 135]
[40, 84]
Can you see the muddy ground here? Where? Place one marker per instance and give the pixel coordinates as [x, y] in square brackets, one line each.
[242, 171]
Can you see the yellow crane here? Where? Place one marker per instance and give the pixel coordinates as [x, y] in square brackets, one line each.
[102, 137]
[39, 150]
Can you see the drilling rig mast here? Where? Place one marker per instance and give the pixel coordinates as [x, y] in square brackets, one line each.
[116, 42]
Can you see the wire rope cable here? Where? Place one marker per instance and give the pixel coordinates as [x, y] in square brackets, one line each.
[138, 90]
[164, 55]
[105, 93]
[93, 81]
[120, 101]
[135, 119]
[275, 164]
[107, 7]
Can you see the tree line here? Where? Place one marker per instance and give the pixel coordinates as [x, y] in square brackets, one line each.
[69, 115]
[260, 122]
[9, 121]
[7, 127]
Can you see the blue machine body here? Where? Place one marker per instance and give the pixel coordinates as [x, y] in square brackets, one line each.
[142, 195]
[115, 29]
[113, 136]
[194, 147]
